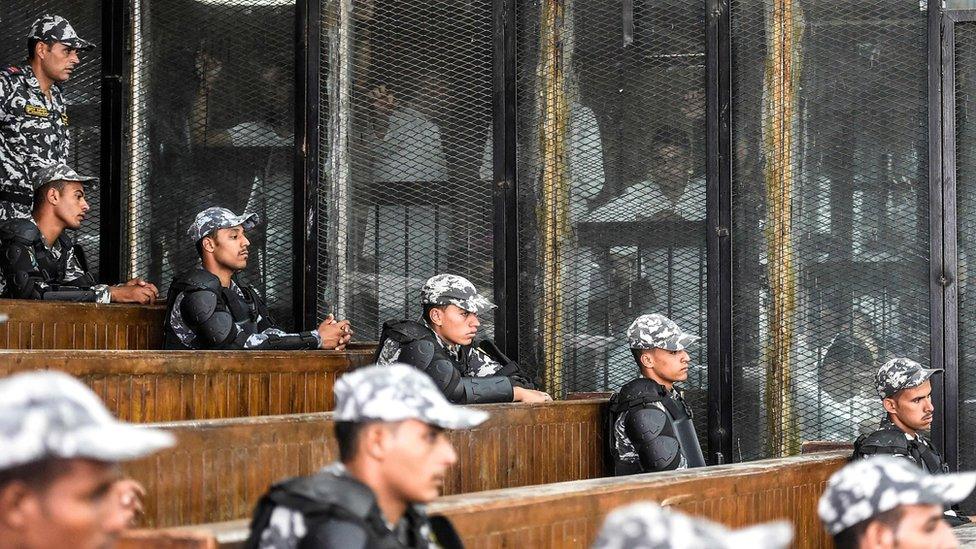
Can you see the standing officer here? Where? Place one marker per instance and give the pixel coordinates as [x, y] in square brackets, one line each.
[394, 453]
[906, 394]
[33, 116]
[652, 428]
[442, 345]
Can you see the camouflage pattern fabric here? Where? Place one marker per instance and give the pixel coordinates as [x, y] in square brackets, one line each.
[868, 487]
[658, 331]
[901, 373]
[46, 414]
[54, 28]
[214, 218]
[650, 526]
[60, 171]
[448, 289]
[399, 392]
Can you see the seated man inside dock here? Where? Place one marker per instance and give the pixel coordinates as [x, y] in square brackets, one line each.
[885, 502]
[442, 344]
[209, 308]
[651, 424]
[38, 258]
[906, 394]
[393, 457]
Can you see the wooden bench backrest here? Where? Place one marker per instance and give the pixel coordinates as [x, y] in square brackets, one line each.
[59, 325]
[220, 468]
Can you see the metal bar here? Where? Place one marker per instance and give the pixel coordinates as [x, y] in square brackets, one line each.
[936, 265]
[504, 188]
[718, 204]
[308, 60]
[112, 113]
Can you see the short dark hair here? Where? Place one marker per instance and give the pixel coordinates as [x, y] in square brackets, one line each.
[199, 244]
[428, 307]
[638, 353]
[37, 475]
[347, 436]
[41, 192]
[851, 537]
[31, 47]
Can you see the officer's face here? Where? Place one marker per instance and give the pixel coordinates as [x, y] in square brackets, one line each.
[58, 61]
[230, 248]
[74, 510]
[455, 325]
[415, 457]
[70, 205]
[913, 407]
[920, 527]
[668, 366]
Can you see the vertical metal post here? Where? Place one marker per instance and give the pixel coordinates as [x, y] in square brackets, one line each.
[308, 60]
[113, 111]
[718, 203]
[504, 176]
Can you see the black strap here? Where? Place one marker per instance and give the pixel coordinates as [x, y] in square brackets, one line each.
[17, 198]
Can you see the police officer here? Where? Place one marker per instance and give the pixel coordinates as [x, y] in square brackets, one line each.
[885, 502]
[59, 454]
[33, 116]
[40, 261]
[906, 394]
[652, 428]
[442, 345]
[650, 526]
[209, 308]
[393, 456]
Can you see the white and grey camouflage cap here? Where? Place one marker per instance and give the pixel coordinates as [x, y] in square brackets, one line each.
[49, 414]
[214, 218]
[874, 485]
[650, 526]
[901, 373]
[54, 28]
[658, 331]
[447, 289]
[398, 392]
[61, 172]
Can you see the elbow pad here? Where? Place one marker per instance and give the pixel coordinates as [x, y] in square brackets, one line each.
[651, 432]
[291, 342]
[65, 294]
[485, 390]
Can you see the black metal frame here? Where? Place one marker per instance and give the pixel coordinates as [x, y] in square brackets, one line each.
[110, 268]
[718, 204]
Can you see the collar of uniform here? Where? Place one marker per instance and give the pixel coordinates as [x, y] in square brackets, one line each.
[886, 423]
[55, 247]
[412, 516]
[455, 349]
[35, 86]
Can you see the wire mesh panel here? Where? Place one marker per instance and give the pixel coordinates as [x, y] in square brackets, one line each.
[82, 92]
[611, 160]
[830, 213]
[408, 165]
[211, 123]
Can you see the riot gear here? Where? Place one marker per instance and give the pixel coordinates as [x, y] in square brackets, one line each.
[34, 271]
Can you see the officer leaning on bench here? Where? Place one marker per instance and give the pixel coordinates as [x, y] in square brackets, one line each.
[442, 344]
[40, 261]
[209, 308]
[651, 425]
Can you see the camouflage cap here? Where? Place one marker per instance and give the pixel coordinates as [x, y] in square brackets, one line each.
[61, 172]
[901, 373]
[54, 28]
[868, 487]
[214, 218]
[447, 289]
[398, 392]
[47, 414]
[650, 526]
[658, 331]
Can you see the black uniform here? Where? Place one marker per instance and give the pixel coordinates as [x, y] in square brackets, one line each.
[888, 439]
[337, 511]
[652, 430]
[202, 314]
[33, 270]
[465, 374]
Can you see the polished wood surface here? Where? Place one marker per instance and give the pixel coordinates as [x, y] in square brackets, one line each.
[153, 386]
[60, 325]
[220, 468]
[569, 514]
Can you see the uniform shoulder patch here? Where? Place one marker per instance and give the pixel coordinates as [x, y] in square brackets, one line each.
[12, 70]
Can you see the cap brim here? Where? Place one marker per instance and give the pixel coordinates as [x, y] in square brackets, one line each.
[949, 488]
[120, 442]
[451, 416]
[78, 44]
[680, 342]
[248, 221]
[477, 304]
[771, 535]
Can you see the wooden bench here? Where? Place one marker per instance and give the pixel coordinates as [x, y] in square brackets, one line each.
[60, 325]
[153, 386]
[569, 514]
[220, 468]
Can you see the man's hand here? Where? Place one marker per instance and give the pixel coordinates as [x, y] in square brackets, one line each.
[522, 394]
[335, 335]
[136, 290]
[208, 69]
[125, 503]
[383, 103]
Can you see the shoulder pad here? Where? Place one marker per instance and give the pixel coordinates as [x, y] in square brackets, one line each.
[640, 389]
[23, 231]
[201, 279]
[324, 490]
[882, 441]
[406, 330]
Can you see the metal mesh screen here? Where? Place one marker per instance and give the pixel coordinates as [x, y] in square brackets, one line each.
[830, 213]
[408, 163]
[211, 123]
[611, 159]
[82, 92]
